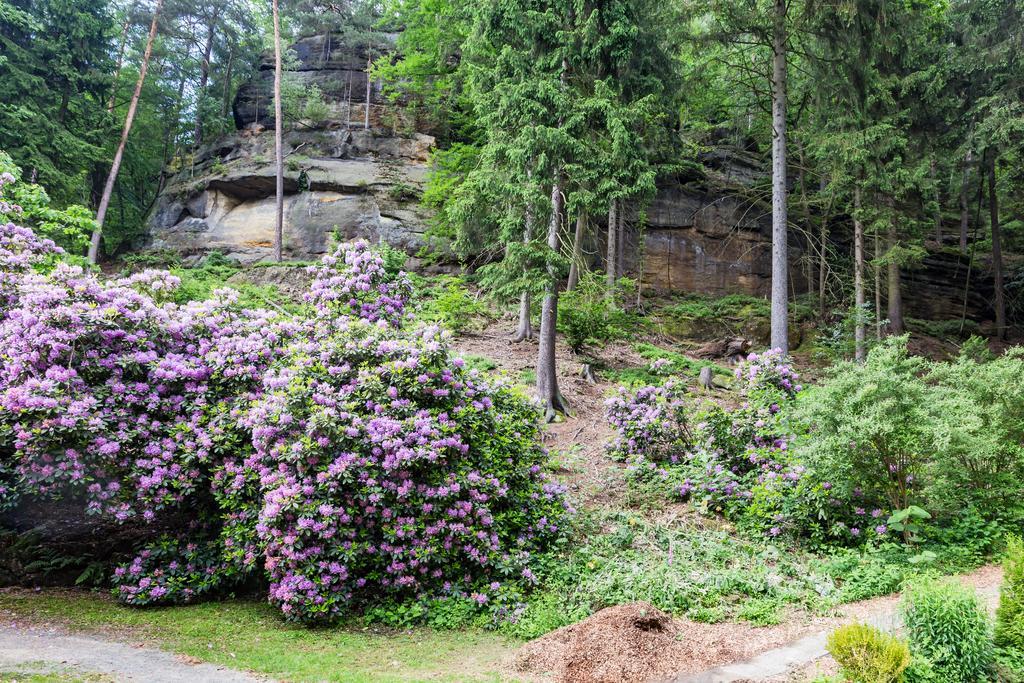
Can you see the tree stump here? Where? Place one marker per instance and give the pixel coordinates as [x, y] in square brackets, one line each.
[707, 378]
[587, 373]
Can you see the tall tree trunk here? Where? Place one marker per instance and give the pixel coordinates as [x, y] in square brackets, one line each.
[547, 378]
[878, 289]
[369, 92]
[964, 208]
[858, 277]
[225, 104]
[171, 129]
[65, 100]
[120, 59]
[997, 249]
[801, 181]
[115, 166]
[780, 249]
[577, 251]
[525, 329]
[894, 295]
[822, 267]
[278, 140]
[204, 76]
[620, 236]
[938, 201]
[610, 259]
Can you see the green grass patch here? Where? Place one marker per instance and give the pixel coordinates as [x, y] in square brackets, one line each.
[681, 365]
[250, 635]
[698, 316]
[681, 567]
[45, 673]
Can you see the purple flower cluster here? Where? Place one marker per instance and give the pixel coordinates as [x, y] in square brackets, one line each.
[385, 467]
[769, 371]
[353, 282]
[650, 425]
[341, 455]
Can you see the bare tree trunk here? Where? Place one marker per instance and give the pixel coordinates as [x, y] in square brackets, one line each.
[547, 378]
[278, 140]
[204, 76]
[894, 296]
[369, 64]
[620, 236]
[801, 181]
[348, 102]
[120, 59]
[938, 201]
[115, 167]
[171, 130]
[577, 251]
[226, 100]
[525, 329]
[858, 277]
[964, 208]
[822, 267]
[610, 258]
[780, 219]
[997, 250]
[878, 289]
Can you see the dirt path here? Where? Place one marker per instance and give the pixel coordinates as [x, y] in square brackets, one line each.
[43, 649]
[785, 663]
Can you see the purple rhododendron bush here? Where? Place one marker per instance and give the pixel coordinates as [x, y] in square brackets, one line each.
[340, 457]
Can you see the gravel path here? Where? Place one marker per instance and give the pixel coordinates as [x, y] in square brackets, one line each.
[780, 663]
[23, 647]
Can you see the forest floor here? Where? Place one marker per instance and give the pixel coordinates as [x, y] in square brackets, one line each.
[77, 636]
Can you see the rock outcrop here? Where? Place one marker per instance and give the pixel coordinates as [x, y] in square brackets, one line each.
[336, 69]
[710, 234]
[342, 180]
[338, 183]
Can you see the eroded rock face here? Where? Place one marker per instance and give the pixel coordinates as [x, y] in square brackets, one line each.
[338, 184]
[338, 69]
[342, 180]
[709, 235]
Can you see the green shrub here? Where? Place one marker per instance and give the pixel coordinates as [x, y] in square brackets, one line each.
[838, 340]
[978, 434]
[947, 625]
[863, 575]
[1009, 632]
[867, 655]
[944, 329]
[450, 303]
[870, 428]
[588, 315]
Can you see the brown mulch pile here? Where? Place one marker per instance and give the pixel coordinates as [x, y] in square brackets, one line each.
[637, 643]
[618, 644]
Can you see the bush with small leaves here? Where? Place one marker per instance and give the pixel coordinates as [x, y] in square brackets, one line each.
[947, 625]
[867, 655]
[589, 315]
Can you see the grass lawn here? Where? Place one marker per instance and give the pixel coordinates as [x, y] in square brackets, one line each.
[47, 674]
[250, 635]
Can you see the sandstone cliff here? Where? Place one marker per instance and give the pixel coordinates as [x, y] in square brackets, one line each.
[340, 179]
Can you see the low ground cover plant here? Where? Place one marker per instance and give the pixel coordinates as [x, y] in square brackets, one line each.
[1009, 628]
